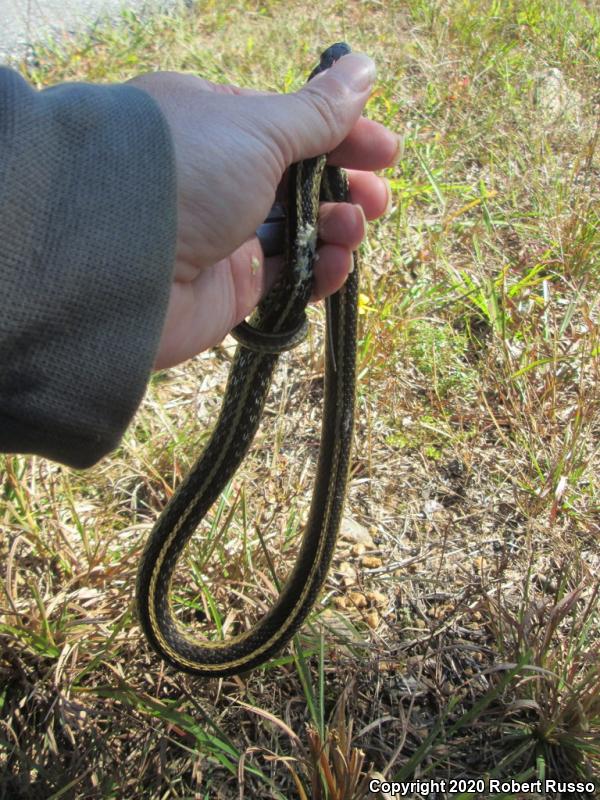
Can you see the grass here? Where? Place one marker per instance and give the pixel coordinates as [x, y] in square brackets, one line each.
[459, 629]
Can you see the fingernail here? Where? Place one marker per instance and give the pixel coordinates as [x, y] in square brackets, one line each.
[360, 209]
[390, 200]
[356, 70]
[399, 151]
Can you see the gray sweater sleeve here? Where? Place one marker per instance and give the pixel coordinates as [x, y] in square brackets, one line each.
[87, 246]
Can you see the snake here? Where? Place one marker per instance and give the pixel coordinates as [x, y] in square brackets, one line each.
[278, 323]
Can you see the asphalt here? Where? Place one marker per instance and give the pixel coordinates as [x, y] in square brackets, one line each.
[23, 23]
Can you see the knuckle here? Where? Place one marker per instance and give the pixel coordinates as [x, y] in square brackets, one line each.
[327, 107]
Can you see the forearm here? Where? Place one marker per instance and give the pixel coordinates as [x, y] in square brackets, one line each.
[87, 239]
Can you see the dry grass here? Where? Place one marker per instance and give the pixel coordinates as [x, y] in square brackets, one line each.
[459, 630]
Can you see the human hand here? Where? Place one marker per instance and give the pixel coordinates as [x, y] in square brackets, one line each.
[232, 147]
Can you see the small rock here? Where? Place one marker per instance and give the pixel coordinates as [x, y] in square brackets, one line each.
[357, 599]
[348, 573]
[377, 599]
[431, 507]
[353, 531]
[553, 97]
[479, 564]
[372, 618]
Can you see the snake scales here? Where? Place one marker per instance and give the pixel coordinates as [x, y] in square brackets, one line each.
[277, 324]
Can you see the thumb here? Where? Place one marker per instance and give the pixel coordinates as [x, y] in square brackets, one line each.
[317, 118]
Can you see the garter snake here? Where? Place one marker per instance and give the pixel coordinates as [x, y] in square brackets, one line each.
[278, 322]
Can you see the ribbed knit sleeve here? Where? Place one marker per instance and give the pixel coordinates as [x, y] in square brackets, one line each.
[87, 243]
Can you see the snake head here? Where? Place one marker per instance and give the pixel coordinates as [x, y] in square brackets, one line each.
[330, 56]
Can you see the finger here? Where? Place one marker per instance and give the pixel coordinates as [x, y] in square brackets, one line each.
[368, 146]
[318, 117]
[342, 224]
[331, 267]
[371, 192]
[342, 228]
[331, 270]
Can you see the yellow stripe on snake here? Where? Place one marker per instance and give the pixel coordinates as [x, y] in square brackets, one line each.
[277, 324]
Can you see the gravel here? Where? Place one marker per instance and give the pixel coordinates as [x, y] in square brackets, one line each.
[25, 22]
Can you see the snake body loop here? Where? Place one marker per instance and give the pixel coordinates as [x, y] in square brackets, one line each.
[278, 318]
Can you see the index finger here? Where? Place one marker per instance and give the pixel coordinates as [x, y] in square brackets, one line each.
[369, 146]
